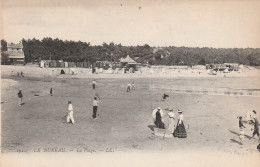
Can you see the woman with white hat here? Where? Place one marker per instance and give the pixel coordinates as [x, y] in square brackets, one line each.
[180, 130]
[171, 125]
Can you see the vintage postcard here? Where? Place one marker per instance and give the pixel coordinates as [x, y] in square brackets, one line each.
[130, 83]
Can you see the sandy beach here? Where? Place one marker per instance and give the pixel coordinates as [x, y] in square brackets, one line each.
[124, 123]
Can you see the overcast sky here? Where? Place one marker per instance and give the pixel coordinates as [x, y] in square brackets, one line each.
[197, 23]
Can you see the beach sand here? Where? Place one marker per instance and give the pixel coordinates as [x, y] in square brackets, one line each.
[125, 123]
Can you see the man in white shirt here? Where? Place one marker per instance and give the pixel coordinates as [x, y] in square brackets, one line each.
[95, 105]
[70, 113]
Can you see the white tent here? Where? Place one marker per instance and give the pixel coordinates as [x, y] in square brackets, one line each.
[128, 60]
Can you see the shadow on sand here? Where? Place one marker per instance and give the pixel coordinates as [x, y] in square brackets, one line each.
[151, 127]
[249, 137]
[233, 140]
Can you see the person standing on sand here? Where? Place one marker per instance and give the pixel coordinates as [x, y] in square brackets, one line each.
[258, 147]
[241, 128]
[180, 130]
[95, 106]
[128, 87]
[20, 96]
[158, 122]
[256, 128]
[253, 116]
[51, 92]
[133, 85]
[154, 114]
[248, 117]
[171, 125]
[70, 118]
[94, 84]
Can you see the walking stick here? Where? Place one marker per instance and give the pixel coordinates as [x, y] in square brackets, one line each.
[164, 133]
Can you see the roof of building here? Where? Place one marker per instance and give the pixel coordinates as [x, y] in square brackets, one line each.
[128, 59]
[11, 45]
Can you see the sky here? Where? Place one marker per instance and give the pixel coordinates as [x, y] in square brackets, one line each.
[197, 23]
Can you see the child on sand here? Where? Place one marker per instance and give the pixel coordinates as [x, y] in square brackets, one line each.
[70, 118]
[164, 96]
[133, 86]
[20, 96]
[241, 128]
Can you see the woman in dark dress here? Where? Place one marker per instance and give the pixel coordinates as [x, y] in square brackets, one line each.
[158, 122]
[180, 130]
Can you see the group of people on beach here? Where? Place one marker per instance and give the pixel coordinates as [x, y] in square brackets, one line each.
[96, 101]
[18, 74]
[129, 86]
[177, 130]
[252, 121]
[70, 118]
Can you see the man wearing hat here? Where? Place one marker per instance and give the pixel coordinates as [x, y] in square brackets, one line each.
[70, 118]
[253, 116]
[20, 96]
[241, 130]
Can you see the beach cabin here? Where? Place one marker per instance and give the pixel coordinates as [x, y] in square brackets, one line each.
[66, 64]
[44, 63]
[128, 62]
[232, 66]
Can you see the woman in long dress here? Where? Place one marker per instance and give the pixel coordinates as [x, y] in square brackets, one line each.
[180, 130]
[171, 126]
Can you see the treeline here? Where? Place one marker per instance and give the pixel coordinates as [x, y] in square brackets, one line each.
[202, 56]
[72, 51]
